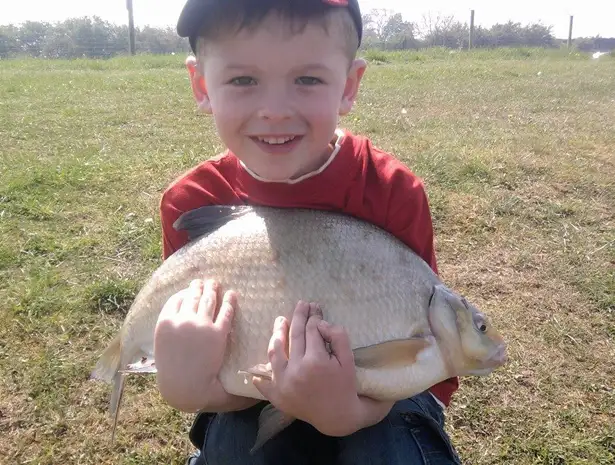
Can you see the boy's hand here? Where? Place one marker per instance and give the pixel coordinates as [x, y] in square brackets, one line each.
[312, 383]
[189, 345]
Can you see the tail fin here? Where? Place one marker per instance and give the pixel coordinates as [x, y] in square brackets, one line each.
[109, 362]
[108, 369]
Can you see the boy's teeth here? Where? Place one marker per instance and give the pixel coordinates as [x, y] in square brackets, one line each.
[275, 140]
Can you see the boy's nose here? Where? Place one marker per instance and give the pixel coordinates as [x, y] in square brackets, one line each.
[275, 107]
[274, 113]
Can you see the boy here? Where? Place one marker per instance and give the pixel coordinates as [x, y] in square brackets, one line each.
[276, 75]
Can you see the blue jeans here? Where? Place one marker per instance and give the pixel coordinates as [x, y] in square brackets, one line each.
[412, 433]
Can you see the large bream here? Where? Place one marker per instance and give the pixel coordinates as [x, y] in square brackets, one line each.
[408, 330]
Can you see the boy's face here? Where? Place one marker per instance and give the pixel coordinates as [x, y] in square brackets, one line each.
[276, 97]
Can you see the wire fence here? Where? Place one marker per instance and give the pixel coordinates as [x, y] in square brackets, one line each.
[85, 37]
[93, 37]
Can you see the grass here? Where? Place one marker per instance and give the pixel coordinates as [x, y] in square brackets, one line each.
[517, 152]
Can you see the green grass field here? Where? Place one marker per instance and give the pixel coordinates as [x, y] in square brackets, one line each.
[517, 149]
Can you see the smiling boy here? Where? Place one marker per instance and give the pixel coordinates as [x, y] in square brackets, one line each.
[276, 75]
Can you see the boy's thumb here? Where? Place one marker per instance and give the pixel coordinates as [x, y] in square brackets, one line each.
[262, 384]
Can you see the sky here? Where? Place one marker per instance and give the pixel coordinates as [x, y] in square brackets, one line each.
[591, 17]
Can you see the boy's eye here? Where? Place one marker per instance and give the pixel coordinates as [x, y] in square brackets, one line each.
[242, 81]
[309, 80]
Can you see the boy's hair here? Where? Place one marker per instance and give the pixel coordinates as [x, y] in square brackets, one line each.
[228, 17]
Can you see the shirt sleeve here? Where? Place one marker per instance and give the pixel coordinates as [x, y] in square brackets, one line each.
[409, 215]
[201, 186]
[172, 240]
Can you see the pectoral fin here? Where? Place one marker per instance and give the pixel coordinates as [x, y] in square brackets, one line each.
[261, 370]
[271, 421]
[143, 366]
[390, 353]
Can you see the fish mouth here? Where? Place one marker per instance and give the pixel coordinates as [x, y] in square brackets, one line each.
[498, 358]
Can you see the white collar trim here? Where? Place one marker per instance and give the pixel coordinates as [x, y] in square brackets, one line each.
[338, 144]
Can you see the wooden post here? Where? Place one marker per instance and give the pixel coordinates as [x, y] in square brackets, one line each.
[471, 29]
[131, 27]
[570, 33]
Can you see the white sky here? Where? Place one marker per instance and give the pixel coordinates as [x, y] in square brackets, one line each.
[591, 17]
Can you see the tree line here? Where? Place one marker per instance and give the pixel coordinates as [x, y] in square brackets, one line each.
[385, 30]
[85, 37]
[388, 31]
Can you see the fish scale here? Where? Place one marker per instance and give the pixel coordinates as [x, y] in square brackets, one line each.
[408, 331]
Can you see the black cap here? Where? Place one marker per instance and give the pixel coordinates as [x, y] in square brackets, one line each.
[195, 11]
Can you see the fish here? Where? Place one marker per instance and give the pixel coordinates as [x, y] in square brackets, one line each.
[408, 330]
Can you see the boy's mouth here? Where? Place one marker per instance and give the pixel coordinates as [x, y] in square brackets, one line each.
[275, 140]
[277, 144]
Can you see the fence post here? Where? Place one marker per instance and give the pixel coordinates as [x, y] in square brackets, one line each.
[131, 27]
[570, 33]
[471, 29]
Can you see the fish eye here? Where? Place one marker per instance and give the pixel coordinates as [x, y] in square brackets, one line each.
[480, 324]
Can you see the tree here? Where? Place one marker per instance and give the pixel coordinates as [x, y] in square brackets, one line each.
[432, 28]
[9, 44]
[32, 36]
[397, 33]
[538, 35]
[377, 19]
[387, 30]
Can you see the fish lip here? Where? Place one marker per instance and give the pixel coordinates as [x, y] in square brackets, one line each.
[499, 356]
[486, 366]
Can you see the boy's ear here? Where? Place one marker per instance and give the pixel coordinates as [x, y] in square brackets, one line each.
[355, 74]
[199, 89]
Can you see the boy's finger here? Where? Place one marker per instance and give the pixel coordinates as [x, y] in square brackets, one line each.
[313, 338]
[297, 330]
[172, 306]
[339, 341]
[224, 319]
[192, 297]
[277, 346]
[208, 301]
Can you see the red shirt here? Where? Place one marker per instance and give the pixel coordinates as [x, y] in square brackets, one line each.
[361, 180]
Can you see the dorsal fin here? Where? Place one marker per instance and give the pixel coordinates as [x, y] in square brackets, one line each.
[204, 220]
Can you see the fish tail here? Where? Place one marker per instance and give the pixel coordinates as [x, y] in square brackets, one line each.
[108, 369]
[116, 398]
[109, 362]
